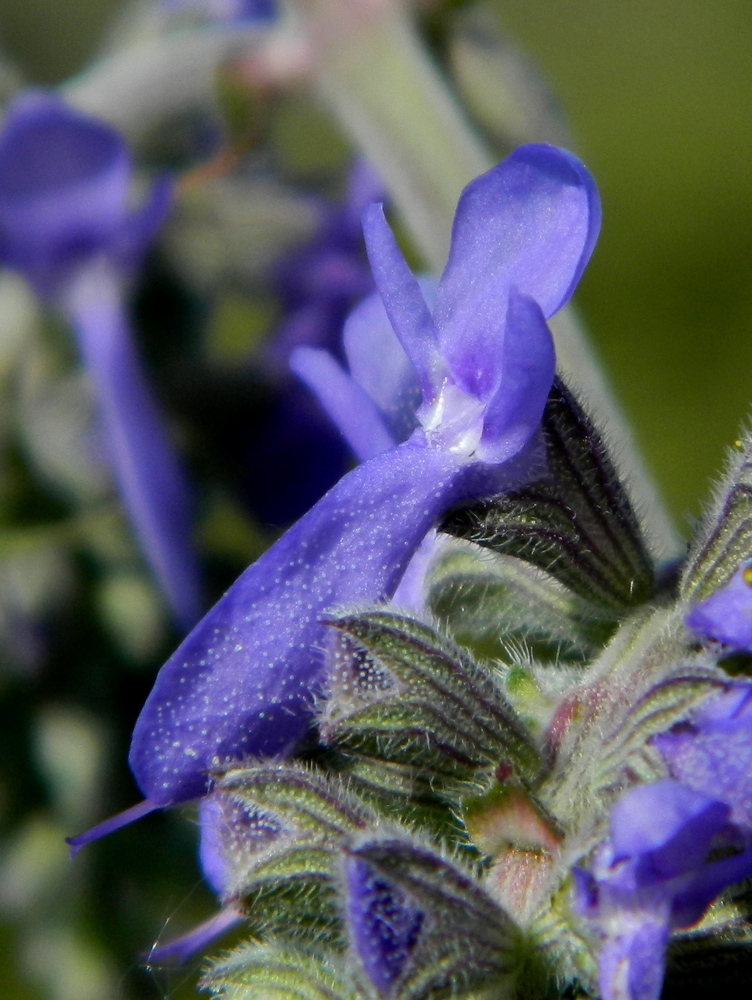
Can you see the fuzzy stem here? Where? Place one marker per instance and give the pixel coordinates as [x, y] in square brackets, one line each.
[147, 470]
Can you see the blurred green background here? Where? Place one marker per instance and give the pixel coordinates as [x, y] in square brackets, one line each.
[658, 96]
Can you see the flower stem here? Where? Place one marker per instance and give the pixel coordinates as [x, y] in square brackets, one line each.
[150, 480]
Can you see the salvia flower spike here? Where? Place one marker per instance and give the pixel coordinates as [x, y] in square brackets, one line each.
[244, 680]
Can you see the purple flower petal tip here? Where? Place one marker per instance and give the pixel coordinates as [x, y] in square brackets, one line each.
[384, 924]
[110, 825]
[530, 223]
[349, 406]
[196, 940]
[726, 616]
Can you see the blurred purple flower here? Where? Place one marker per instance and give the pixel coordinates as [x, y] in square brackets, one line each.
[66, 225]
[656, 874]
[317, 284]
[232, 11]
[244, 680]
[319, 281]
[726, 616]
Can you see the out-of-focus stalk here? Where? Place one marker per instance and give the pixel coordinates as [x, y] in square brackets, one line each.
[377, 77]
[134, 87]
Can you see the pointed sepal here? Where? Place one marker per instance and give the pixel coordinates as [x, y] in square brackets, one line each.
[284, 880]
[420, 925]
[408, 794]
[276, 971]
[399, 691]
[495, 604]
[723, 541]
[316, 805]
[577, 524]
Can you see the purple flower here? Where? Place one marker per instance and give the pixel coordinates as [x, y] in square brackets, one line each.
[726, 616]
[712, 751]
[232, 11]
[384, 924]
[66, 225]
[655, 874]
[244, 680]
